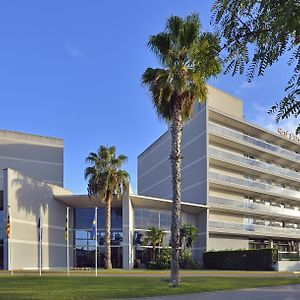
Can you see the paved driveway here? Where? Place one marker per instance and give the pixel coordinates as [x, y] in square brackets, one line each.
[286, 292]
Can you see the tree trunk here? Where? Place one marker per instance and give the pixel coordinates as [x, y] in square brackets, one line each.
[108, 200]
[153, 253]
[176, 132]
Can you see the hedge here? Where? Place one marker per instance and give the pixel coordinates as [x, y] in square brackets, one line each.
[251, 260]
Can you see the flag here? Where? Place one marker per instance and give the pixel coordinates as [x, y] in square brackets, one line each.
[66, 228]
[8, 227]
[40, 227]
[94, 229]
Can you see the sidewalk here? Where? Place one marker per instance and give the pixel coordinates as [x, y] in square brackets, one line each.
[286, 292]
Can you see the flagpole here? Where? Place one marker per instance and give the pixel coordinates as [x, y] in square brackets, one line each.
[96, 249]
[40, 245]
[9, 244]
[68, 243]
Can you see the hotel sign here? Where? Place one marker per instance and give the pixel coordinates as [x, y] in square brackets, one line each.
[290, 136]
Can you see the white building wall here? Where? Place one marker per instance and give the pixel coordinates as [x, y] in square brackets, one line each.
[26, 200]
[154, 166]
[36, 156]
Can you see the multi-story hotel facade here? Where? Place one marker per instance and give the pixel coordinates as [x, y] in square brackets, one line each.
[246, 176]
[240, 188]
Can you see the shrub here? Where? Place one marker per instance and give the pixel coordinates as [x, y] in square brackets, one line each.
[186, 260]
[260, 260]
[163, 260]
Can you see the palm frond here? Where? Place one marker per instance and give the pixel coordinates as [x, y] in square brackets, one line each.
[189, 58]
[104, 175]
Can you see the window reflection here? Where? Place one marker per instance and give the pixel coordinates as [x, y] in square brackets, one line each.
[144, 218]
[84, 218]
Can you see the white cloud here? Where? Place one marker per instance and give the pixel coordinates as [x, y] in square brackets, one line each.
[259, 107]
[245, 85]
[267, 121]
[75, 52]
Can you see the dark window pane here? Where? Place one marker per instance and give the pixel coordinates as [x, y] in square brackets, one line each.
[101, 217]
[1, 200]
[137, 218]
[116, 217]
[84, 218]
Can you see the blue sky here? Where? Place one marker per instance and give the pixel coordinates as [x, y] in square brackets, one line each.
[72, 69]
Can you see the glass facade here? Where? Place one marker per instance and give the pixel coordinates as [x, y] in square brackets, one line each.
[143, 219]
[85, 243]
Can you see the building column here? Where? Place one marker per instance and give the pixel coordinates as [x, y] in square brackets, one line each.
[271, 244]
[127, 227]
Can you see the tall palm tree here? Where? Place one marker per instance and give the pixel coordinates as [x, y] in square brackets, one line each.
[105, 181]
[154, 237]
[188, 58]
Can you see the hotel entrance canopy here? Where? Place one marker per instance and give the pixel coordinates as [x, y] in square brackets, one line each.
[81, 201]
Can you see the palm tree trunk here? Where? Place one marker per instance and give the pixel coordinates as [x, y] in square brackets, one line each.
[108, 199]
[176, 132]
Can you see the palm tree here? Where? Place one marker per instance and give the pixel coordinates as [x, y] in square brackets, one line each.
[188, 58]
[105, 181]
[154, 237]
[188, 235]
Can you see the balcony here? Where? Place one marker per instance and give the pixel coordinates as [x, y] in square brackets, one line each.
[249, 163]
[261, 187]
[253, 229]
[253, 208]
[232, 134]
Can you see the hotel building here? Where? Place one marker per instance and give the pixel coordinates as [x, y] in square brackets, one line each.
[240, 188]
[246, 176]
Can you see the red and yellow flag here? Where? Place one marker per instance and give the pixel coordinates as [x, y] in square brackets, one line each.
[8, 227]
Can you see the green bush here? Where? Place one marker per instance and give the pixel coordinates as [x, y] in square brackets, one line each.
[186, 260]
[163, 260]
[255, 260]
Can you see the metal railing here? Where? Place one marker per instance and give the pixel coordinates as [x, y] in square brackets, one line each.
[221, 154]
[290, 256]
[219, 129]
[255, 207]
[261, 229]
[282, 192]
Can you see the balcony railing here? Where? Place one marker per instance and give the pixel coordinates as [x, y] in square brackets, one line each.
[263, 187]
[253, 228]
[221, 154]
[256, 142]
[247, 206]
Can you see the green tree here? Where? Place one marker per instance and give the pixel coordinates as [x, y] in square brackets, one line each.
[256, 34]
[106, 180]
[154, 237]
[188, 235]
[188, 58]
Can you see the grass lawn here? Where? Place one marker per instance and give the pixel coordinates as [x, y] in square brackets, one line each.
[83, 287]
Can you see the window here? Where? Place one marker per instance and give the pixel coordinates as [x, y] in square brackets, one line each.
[84, 218]
[1, 200]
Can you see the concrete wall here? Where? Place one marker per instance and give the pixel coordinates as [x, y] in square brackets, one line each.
[36, 156]
[154, 166]
[224, 102]
[29, 199]
[288, 266]
[127, 227]
[202, 237]
[226, 242]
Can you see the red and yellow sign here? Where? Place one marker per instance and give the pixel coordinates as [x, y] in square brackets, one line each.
[287, 135]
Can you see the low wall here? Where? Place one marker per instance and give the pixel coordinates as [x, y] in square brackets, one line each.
[289, 266]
